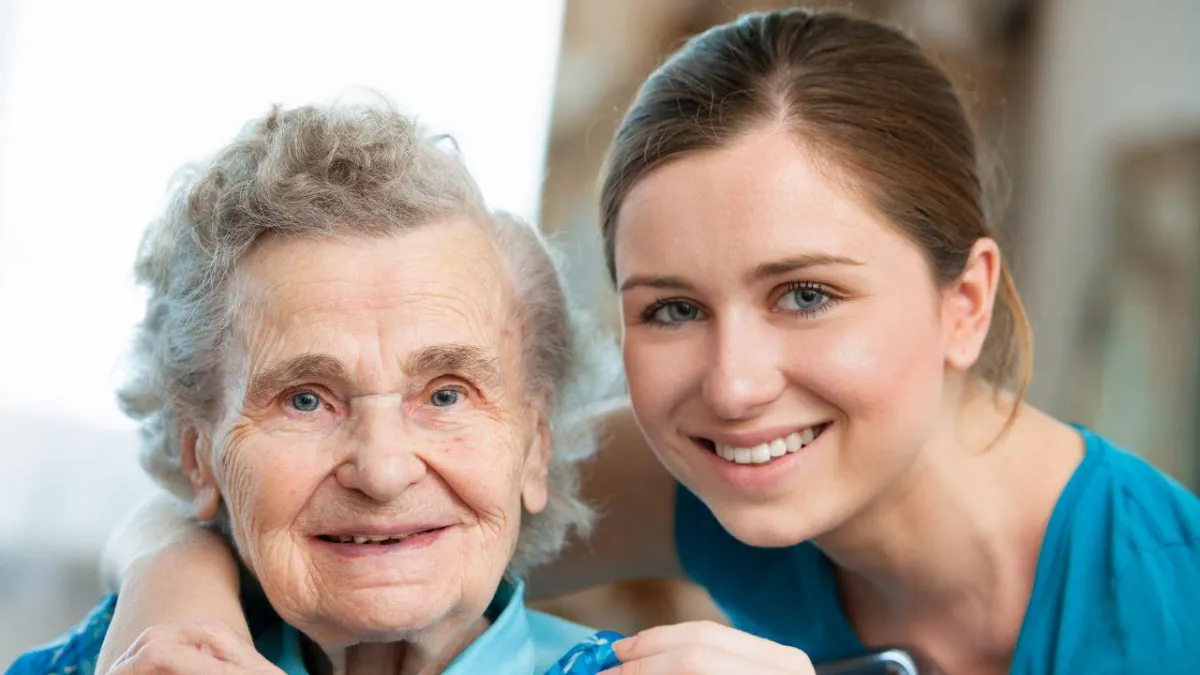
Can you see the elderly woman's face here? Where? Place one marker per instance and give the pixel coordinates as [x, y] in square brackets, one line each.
[377, 447]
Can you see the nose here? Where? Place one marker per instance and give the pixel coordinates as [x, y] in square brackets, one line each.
[383, 463]
[744, 376]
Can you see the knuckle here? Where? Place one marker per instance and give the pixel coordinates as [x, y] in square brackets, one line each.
[156, 653]
[144, 638]
[695, 660]
[798, 657]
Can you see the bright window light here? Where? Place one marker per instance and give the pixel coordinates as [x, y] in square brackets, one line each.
[101, 101]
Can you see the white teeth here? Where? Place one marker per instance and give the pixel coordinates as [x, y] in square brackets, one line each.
[765, 452]
[368, 540]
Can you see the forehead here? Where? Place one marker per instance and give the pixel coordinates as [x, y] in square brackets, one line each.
[443, 279]
[764, 197]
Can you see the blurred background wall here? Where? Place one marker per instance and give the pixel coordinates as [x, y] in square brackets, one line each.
[1091, 108]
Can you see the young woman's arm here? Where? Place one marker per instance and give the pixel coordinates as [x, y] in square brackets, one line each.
[634, 498]
[168, 569]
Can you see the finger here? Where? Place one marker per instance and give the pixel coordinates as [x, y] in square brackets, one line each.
[162, 657]
[204, 635]
[690, 635]
[696, 660]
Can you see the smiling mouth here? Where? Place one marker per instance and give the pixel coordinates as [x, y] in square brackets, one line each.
[374, 540]
[767, 452]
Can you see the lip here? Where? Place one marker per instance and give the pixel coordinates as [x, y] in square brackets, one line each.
[753, 438]
[393, 530]
[760, 479]
[412, 543]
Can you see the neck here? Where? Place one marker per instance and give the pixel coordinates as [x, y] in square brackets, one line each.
[947, 556]
[425, 655]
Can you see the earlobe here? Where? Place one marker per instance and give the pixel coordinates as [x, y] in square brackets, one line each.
[970, 305]
[535, 481]
[194, 456]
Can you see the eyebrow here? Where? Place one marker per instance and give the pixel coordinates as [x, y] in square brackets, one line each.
[468, 361]
[294, 370]
[774, 269]
[472, 363]
[763, 271]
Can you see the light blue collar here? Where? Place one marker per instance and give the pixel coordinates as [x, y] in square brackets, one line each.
[506, 648]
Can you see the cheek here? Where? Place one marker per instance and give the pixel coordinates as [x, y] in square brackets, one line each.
[660, 374]
[266, 489]
[482, 468]
[882, 366]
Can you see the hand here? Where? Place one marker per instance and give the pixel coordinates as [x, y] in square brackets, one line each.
[705, 648]
[203, 647]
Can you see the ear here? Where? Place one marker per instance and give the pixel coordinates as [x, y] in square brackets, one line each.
[535, 477]
[968, 304]
[195, 455]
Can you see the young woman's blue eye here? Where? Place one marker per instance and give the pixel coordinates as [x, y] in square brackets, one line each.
[306, 401]
[444, 398]
[672, 312]
[804, 299]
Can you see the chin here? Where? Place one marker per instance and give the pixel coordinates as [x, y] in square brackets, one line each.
[381, 614]
[772, 525]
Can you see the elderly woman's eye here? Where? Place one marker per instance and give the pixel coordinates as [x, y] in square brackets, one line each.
[444, 398]
[305, 401]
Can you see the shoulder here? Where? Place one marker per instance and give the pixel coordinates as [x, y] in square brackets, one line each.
[75, 652]
[1149, 511]
[553, 637]
[1149, 622]
[1137, 536]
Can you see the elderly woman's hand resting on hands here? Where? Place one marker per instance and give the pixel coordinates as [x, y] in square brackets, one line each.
[202, 647]
[705, 648]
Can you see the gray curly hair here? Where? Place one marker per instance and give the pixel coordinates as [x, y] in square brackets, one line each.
[365, 170]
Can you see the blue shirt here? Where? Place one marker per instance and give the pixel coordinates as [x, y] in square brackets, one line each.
[1116, 589]
[518, 642]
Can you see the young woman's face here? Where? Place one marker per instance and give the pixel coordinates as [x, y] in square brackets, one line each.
[786, 348]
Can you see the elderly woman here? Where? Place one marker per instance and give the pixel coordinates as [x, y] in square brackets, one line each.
[364, 379]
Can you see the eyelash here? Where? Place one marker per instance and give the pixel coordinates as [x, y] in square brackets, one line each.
[831, 298]
[459, 389]
[324, 400]
[648, 314]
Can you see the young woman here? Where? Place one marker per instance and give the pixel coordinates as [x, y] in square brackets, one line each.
[827, 355]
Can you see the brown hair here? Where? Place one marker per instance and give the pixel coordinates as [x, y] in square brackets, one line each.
[861, 94]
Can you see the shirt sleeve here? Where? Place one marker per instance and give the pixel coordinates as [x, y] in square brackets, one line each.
[76, 652]
[589, 657]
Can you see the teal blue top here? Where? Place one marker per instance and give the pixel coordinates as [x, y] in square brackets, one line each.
[1116, 590]
[518, 642]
